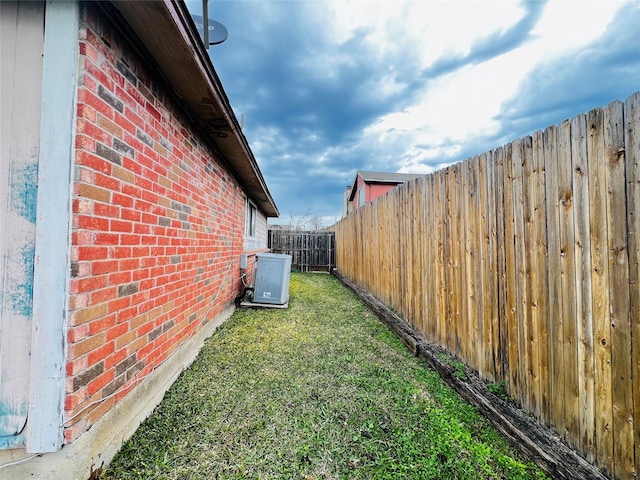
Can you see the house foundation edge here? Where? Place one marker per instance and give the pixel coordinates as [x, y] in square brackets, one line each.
[96, 448]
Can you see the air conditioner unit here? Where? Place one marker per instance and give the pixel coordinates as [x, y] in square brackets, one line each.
[271, 285]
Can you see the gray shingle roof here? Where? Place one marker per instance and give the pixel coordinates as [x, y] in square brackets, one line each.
[386, 177]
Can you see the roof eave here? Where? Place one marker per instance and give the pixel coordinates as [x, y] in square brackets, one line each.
[354, 187]
[167, 32]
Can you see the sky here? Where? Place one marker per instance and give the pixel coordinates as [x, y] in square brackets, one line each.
[327, 88]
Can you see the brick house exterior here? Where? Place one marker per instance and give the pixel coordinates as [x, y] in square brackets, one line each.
[151, 228]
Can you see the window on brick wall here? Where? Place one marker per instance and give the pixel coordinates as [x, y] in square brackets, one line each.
[250, 219]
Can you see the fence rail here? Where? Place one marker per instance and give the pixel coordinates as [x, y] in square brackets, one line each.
[525, 263]
[309, 250]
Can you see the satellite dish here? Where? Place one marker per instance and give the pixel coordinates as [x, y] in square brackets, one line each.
[217, 32]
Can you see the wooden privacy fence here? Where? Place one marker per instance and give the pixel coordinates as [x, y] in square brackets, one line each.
[524, 263]
[309, 250]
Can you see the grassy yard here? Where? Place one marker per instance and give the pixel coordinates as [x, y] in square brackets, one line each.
[321, 390]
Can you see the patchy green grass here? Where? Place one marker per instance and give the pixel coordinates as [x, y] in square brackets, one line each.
[321, 390]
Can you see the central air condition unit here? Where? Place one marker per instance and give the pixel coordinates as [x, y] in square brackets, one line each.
[271, 285]
[272, 278]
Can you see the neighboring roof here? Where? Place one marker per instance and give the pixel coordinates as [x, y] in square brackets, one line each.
[166, 32]
[382, 177]
[385, 177]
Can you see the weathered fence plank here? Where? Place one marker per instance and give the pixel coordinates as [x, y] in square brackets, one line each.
[526, 255]
[539, 272]
[520, 275]
[619, 293]
[490, 288]
[441, 286]
[554, 287]
[467, 288]
[632, 159]
[486, 267]
[583, 291]
[501, 334]
[598, 189]
[568, 283]
[510, 307]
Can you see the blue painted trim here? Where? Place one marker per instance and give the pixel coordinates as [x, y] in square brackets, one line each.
[53, 225]
[12, 441]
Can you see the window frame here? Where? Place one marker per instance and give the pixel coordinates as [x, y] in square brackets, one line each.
[250, 219]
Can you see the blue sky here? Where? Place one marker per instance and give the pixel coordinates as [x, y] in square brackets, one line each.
[327, 88]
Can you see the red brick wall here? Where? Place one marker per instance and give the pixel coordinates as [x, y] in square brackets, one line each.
[157, 228]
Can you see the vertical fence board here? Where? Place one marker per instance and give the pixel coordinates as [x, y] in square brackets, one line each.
[510, 307]
[467, 229]
[383, 251]
[599, 281]
[377, 252]
[460, 239]
[554, 287]
[399, 253]
[619, 294]
[475, 253]
[454, 240]
[584, 315]
[500, 328]
[520, 267]
[477, 179]
[415, 231]
[449, 204]
[487, 265]
[406, 240]
[455, 300]
[448, 324]
[525, 257]
[366, 246]
[568, 282]
[373, 260]
[440, 219]
[632, 158]
[434, 204]
[425, 252]
[530, 275]
[392, 253]
[410, 236]
[402, 255]
[468, 223]
[401, 270]
[540, 333]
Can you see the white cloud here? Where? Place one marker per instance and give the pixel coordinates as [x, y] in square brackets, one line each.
[403, 86]
[462, 106]
[429, 29]
[566, 25]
